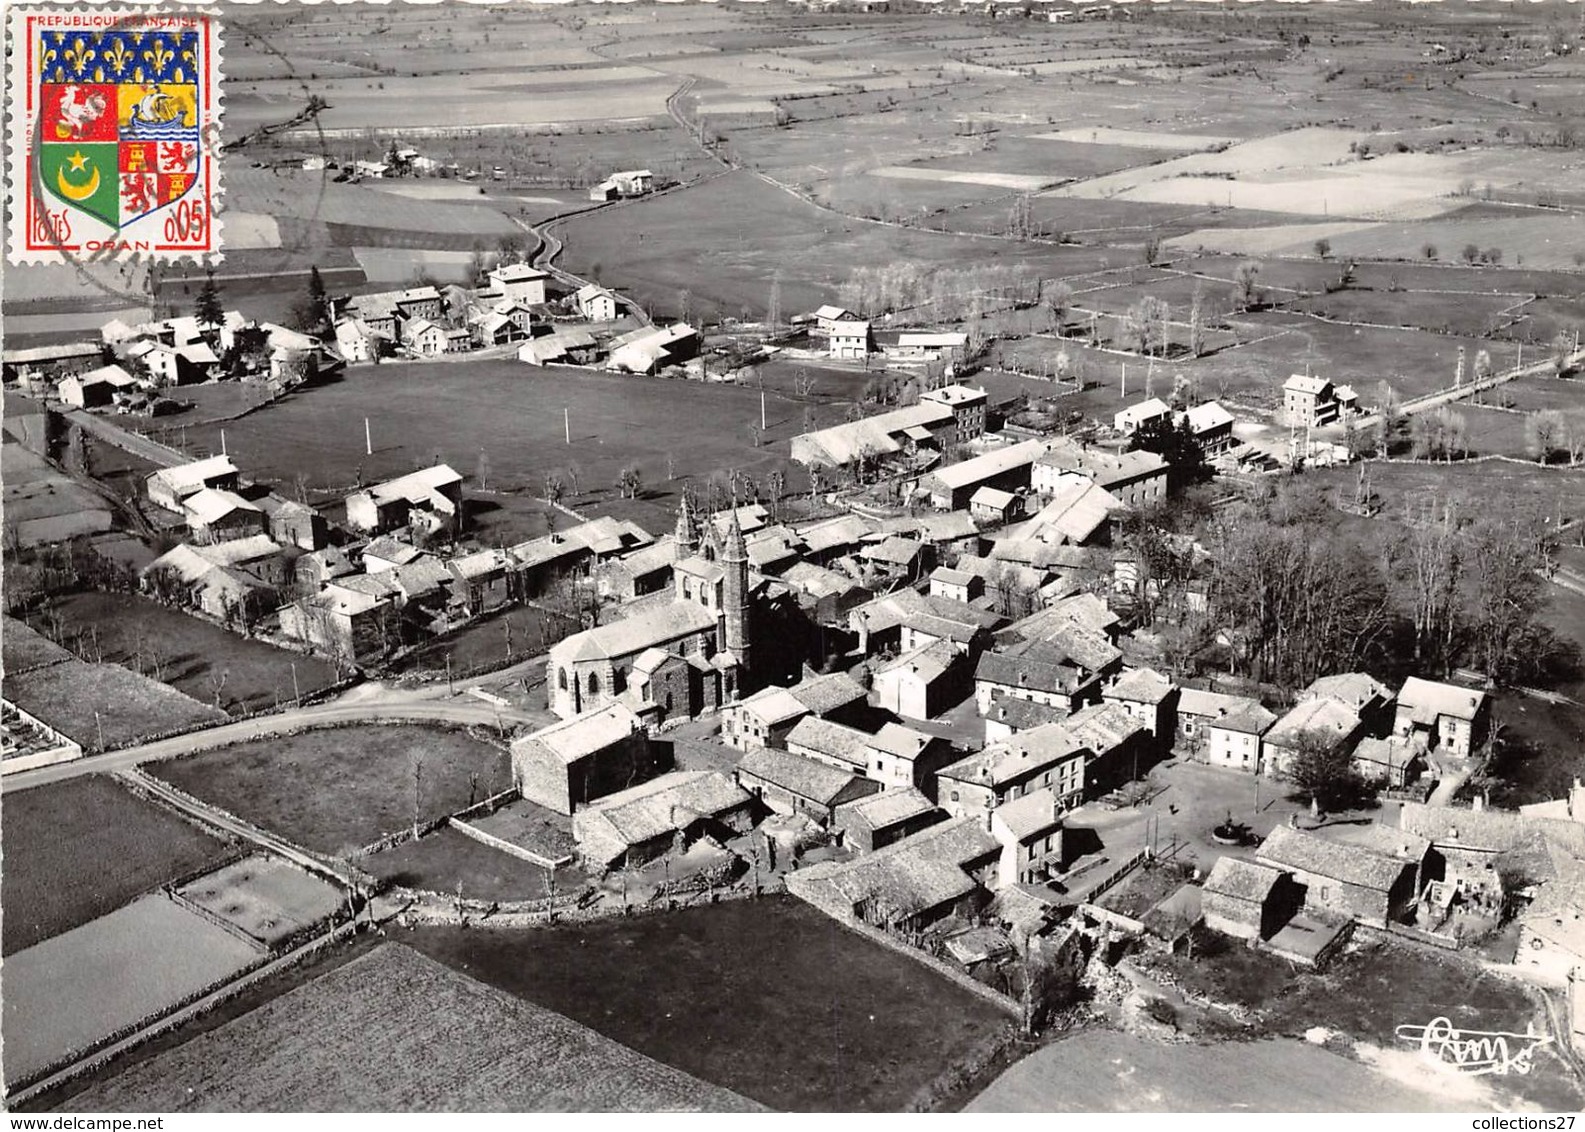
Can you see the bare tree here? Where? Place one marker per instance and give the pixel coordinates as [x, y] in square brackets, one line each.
[1544, 433]
[1247, 278]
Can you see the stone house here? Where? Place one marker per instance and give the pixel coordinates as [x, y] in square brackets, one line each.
[571, 763]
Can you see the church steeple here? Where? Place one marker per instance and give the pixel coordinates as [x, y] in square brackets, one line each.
[687, 531]
[735, 596]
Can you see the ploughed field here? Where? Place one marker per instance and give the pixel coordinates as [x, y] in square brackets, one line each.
[768, 998]
[394, 1031]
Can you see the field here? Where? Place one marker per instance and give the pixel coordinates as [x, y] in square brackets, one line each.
[195, 657]
[80, 849]
[334, 791]
[769, 999]
[352, 1039]
[512, 413]
[103, 706]
[1107, 1071]
[43, 506]
[265, 898]
[451, 862]
[25, 648]
[81, 986]
[723, 241]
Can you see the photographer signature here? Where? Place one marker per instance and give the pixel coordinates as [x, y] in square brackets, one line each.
[1476, 1052]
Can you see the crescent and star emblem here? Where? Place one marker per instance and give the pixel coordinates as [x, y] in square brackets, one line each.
[77, 192]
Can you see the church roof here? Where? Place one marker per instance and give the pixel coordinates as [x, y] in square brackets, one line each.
[654, 627]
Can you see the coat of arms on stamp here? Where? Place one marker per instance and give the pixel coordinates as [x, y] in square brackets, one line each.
[115, 135]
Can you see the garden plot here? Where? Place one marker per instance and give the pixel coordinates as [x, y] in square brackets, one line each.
[265, 898]
[78, 988]
[395, 1031]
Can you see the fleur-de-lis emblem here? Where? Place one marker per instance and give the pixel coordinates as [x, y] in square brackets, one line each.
[79, 55]
[158, 56]
[118, 57]
[48, 57]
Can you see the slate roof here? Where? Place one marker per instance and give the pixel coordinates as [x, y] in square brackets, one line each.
[1102, 727]
[889, 808]
[663, 805]
[1323, 716]
[998, 462]
[1356, 689]
[1427, 699]
[1202, 704]
[916, 874]
[1078, 508]
[774, 705]
[583, 735]
[929, 662]
[655, 627]
[1028, 752]
[209, 505]
[1302, 851]
[1021, 714]
[1032, 815]
[823, 694]
[1248, 719]
[899, 741]
[834, 740]
[1140, 685]
[190, 477]
[1242, 880]
[816, 781]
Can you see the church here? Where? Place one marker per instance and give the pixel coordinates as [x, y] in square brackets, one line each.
[675, 657]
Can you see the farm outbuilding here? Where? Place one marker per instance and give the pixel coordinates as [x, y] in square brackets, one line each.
[569, 764]
[645, 822]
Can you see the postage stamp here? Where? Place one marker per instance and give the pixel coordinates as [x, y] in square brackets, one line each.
[114, 135]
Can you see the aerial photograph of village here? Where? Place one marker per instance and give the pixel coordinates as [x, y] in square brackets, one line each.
[816, 555]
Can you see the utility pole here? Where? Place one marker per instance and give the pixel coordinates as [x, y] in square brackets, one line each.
[297, 696]
[450, 688]
[100, 727]
[368, 439]
[1122, 382]
[223, 442]
[566, 424]
[762, 410]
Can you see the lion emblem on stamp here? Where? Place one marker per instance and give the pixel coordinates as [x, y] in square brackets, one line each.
[115, 135]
